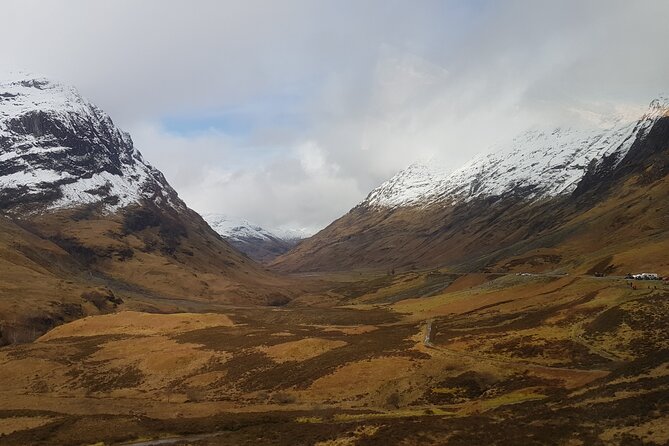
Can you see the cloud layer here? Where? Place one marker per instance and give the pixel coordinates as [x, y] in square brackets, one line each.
[288, 113]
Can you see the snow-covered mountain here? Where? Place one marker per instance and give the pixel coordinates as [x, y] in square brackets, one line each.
[523, 201]
[241, 229]
[253, 240]
[57, 150]
[80, 206]
[537, 164]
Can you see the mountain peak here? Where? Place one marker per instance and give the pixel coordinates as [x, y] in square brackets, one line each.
[27, 92]
[239, 228]
[58, 150]
[410, 186]
[258, 243]
[659, 106]
[662, 100]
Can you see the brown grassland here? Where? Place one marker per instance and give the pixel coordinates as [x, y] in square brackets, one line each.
[421, 357]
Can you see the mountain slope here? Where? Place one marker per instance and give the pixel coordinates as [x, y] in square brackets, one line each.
[535, 203]
[87, 212]
[260, 244]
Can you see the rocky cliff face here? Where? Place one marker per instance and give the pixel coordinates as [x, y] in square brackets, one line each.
[533, 194]
[59, 151]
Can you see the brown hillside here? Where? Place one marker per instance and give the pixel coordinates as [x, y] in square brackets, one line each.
[68, 264]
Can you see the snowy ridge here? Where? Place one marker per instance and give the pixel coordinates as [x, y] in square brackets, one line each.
[59, 149]
[417, 183]
[537, 164]
[292, 234]
[241, 230]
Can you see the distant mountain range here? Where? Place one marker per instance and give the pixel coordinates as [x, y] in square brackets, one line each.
[536, 202]
[258, 243]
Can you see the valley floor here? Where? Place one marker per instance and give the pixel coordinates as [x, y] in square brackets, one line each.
[415, 358]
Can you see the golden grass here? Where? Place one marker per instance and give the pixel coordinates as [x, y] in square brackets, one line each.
[137, 323]
[446, 390]
[300, 350]
[401, 413]
[361, 377]
[348, 330]
[512, 398]
[352, 438]
[309, 419]
[16, 424]
[161, 360]
[467, 281]
[655, 431]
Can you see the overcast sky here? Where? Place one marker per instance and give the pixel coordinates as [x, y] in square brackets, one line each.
[288, 113]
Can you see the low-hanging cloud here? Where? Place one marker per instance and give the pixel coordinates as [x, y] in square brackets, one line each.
[313, 103]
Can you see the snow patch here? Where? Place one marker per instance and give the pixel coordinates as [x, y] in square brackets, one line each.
[31, 178]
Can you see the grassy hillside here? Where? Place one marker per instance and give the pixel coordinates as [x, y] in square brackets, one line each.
[65, 265]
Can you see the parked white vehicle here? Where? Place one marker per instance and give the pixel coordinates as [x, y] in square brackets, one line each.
[644, 276]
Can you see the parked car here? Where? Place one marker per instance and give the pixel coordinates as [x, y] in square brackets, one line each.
[643, 276]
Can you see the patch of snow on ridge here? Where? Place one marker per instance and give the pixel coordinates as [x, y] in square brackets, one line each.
[32, 178]
[19, 96]
[536, 164]
[292, 234]
[413, 185]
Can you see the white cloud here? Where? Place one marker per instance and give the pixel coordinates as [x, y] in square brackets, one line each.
[312, 158]
[300, 189]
